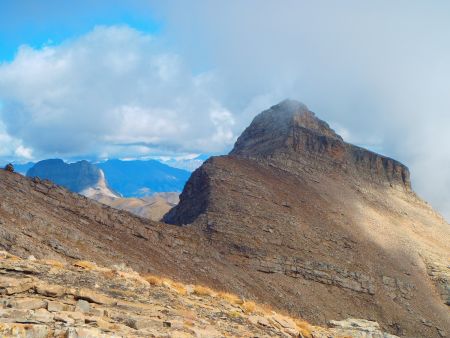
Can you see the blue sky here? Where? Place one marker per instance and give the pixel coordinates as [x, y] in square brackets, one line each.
[169, 79]
[37, 23]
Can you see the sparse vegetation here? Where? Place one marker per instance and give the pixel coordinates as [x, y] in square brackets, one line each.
[201, 290]
[249, 307]
[230, 298]
[303, 327]
[85, 265]
[153, 280]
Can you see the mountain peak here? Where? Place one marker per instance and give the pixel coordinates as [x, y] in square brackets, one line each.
[271, 129]
[289, 130]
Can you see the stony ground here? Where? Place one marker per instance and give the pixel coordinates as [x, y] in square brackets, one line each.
[46, 298]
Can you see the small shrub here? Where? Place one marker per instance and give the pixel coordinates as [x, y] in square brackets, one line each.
[304, 328]
[230, 298]
[201, 290]
[248, 307]
[153, 280]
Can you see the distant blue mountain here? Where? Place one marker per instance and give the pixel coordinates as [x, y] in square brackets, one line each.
[74, 176]
[139, 178]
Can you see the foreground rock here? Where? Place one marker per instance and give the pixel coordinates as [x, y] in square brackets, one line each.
[84, 300]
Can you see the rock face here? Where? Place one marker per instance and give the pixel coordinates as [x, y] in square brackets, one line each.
[289, 130]
[153, 207]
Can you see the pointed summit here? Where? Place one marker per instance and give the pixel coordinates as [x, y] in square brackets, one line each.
[290, 133]
[274, 128]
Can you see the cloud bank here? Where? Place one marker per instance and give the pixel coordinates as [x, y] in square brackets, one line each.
[111, 91]
[377, 72]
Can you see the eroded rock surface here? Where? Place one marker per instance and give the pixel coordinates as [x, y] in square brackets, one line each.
[85, 300]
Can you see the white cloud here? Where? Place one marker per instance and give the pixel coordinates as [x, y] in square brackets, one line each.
[23, 152]
[111, 86]
[380, 69]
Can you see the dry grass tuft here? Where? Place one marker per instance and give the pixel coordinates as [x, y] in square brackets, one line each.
[179, 288]
[249, 307]
[303, 327]
[230, 298]
[266, 309]
[201, 290]
[153, 280]
[85, 265]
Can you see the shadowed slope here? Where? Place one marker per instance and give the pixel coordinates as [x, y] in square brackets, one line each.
[335, 226]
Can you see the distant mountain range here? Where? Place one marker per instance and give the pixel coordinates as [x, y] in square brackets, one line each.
[76, 177]
[146, 188]
[136, 178]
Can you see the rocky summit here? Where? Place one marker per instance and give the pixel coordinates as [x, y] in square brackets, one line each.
[294, 218]
[290, 130]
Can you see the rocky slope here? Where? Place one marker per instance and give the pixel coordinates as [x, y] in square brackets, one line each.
[42, 298]
[308, 227]
[333, 224]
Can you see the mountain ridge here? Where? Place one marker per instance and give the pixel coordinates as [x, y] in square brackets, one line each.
[311, 207]
[319, 240]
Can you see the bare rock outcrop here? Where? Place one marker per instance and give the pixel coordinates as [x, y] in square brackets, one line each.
[289, 130]
[82, 299]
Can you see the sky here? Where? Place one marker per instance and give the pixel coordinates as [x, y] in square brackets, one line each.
[171, 79]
